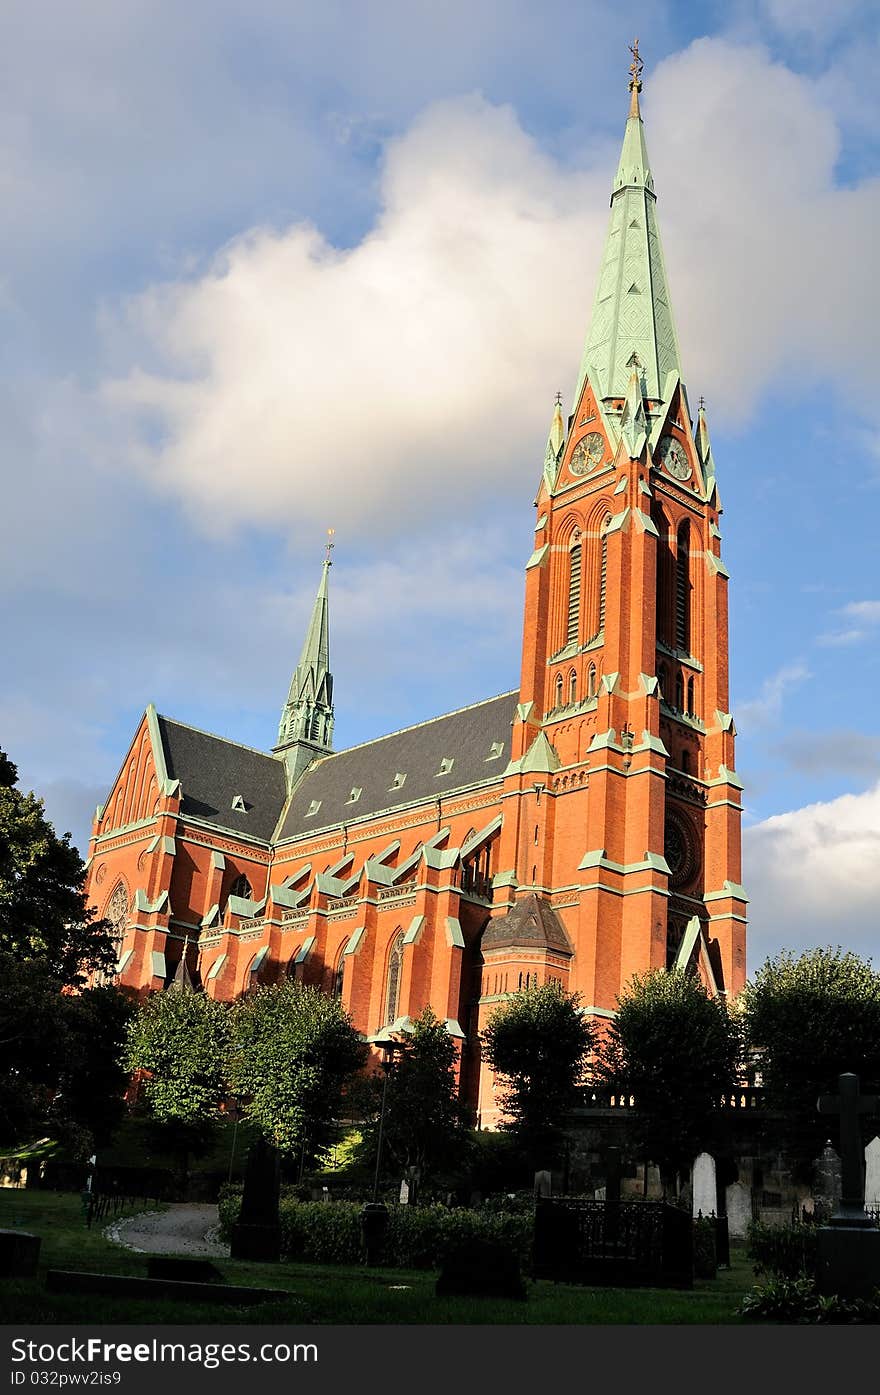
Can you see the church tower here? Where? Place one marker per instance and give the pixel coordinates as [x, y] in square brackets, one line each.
[623, 803]
[306, 727]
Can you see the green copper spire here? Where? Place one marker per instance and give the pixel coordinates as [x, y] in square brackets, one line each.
[632, 313]
[555, 443]
[306, 727]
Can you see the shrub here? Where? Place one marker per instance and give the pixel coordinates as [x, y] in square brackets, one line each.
[796, 1301]
[418, 1237]
[786, 1251]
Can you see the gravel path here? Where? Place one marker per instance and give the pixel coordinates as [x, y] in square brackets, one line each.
[181, 1229]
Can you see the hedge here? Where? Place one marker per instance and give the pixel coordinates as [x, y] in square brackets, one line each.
[418, 1237]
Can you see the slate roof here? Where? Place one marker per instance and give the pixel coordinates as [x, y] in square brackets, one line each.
[532, 921]
[212, 771]
[465, 737]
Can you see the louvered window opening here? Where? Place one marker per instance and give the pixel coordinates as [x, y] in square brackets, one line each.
[574, 592]
[682, 637]
[603, 573]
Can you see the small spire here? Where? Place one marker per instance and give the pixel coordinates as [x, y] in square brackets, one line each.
[555, 443]
[635, 82]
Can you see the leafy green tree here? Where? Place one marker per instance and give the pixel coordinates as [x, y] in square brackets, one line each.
[808, 1019]
[537, 1043]
[92, 1080]
[49, 943]
[44, 915]
[425, 1129]
[293, 1051]
[677, 1051]
[178, 1044]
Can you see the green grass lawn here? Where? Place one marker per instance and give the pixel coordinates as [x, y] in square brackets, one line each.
[326, 1294]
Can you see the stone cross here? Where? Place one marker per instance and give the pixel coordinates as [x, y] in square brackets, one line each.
[849, 1104]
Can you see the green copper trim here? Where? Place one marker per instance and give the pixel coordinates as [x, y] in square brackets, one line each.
[157, 747]
[649, 683]
[414, 933]
[143, 903]
[647, 524]
[169, 846]
[726, 777]
[540, 523]
[652, 862]
[724, 720]
[537, 556]
[733, 890]
[158, 964]
[621, 485]
[305, 949]
[355, 942]
[715, 566]
[609, 681]
[618, 522]
[454, 937]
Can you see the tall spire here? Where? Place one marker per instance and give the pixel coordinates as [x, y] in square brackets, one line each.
[306, 727]
[632, 312]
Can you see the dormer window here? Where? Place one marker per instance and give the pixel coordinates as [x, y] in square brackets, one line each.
[397, 782]
[446, 765]
[355, 795]
[238, 804]
[495, 750]
[313, 809]
[241, 887]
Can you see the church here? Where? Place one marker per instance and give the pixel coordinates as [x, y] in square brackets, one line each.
[581, 828]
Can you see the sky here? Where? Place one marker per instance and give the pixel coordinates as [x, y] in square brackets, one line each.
[274, 267]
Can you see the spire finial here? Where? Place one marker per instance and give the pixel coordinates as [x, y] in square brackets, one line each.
[559, 399]
[635, 81]
[329, 546]
[702, 403]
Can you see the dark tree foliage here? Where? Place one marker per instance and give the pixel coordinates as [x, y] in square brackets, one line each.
[807, 1020]
[43, 911]
[537, 1043]
[425, 1130]
[51, 1041]
[293, 1051]
[677, 1051]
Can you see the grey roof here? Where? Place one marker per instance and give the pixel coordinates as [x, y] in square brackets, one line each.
[465, 737]
[212, 771]
[532, 921]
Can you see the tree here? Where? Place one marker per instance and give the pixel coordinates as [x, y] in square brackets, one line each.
[807, 1020]
[537, 1043]
[293, 1051]
[44, 916]
[49, 943]
[677, 1051]
[178, 1043]
[425, 1120]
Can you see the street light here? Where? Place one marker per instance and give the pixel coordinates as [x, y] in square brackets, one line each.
[374, 1215]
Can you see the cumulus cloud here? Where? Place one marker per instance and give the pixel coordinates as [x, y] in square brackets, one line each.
[813, 876]
[417, 367]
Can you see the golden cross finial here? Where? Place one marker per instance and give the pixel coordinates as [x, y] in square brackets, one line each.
[559, 399]
[635, 67]
[702, 403]
[330, 545]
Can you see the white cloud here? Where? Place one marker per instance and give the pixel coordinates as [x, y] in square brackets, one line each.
[295, 380]
[859, 621]
[766, 708]
[813, 876]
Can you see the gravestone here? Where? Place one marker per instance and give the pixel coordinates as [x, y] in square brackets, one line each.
[257, 1233]
[543, 1183]
[826, 1183]
[19, 1254]
[404, 1192]
[704, 1186]
[872, 1174]
[739, 1209]
[848, 1248]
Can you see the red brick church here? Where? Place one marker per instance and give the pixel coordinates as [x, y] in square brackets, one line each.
[584, 827]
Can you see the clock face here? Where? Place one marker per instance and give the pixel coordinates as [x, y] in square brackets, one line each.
[671, 453]
[587, 454]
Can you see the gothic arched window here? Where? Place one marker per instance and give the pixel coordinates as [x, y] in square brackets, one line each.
[682, 589]
[679, 692]
[663, 681]
[339, 974]
[392, 986]
[559, 690]
[241, 887]
[690, 697]
[591, 681]
[572, 687]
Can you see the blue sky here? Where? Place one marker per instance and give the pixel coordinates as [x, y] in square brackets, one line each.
[266, 269]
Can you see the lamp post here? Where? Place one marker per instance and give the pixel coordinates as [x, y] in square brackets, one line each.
[374, 1216]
